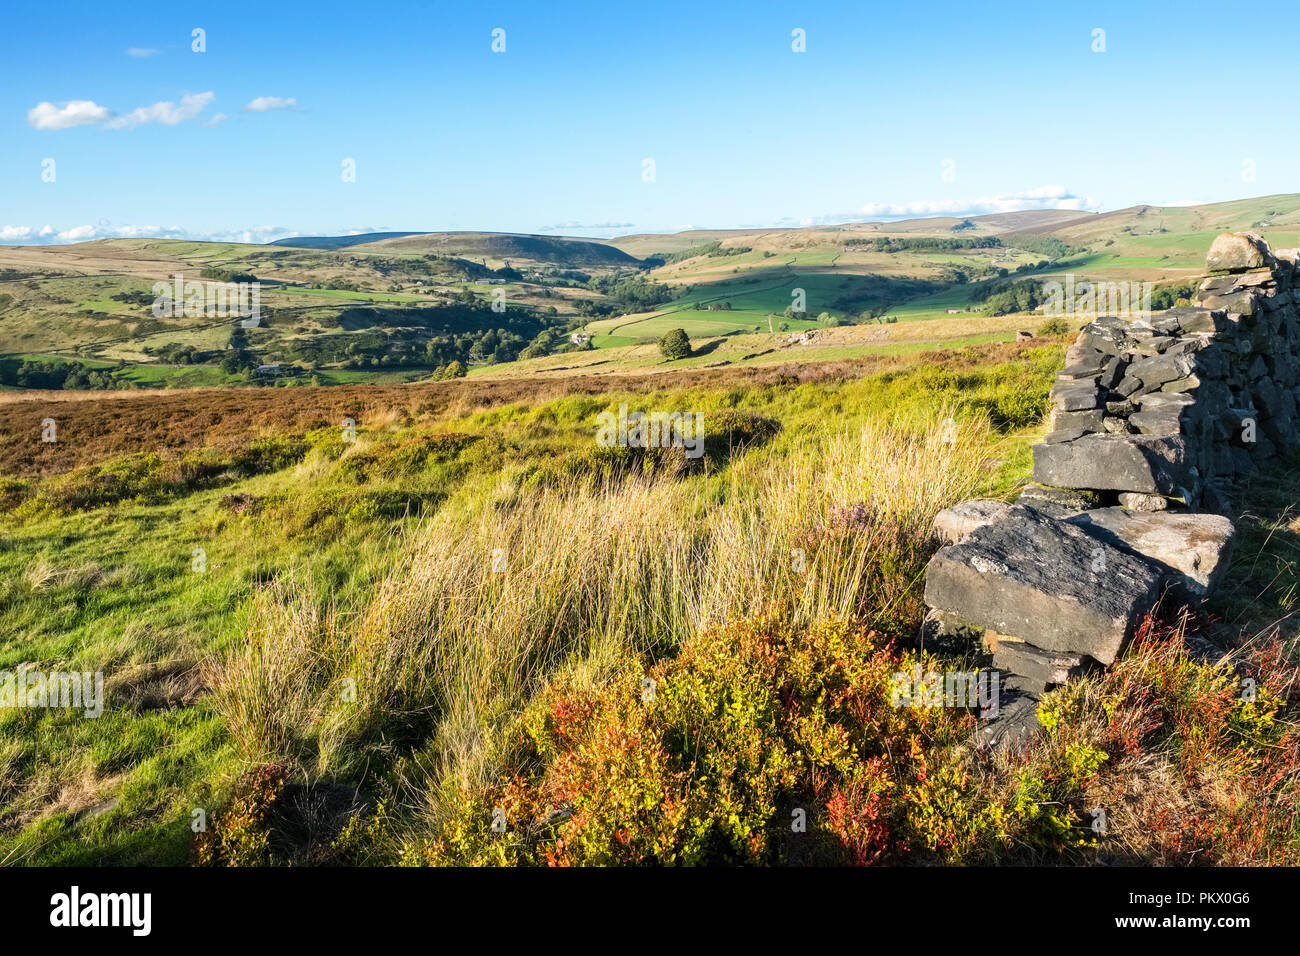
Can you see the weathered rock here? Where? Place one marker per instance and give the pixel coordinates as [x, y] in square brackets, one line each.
[1158, 369]
[1146, 463]
[1016, 721]
[1135, 501]
[1196, 546]
[1159, 412]
[1047, 582]
[952, 525]
[1129, 385]
[1059, 499]
[1194, 319]
[1241, 301]
[1161, 421]
[1236, 252]
[1034, 663]
[1076, 396]
[1088, 420]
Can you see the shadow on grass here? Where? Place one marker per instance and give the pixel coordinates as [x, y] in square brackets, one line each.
[1261, 588]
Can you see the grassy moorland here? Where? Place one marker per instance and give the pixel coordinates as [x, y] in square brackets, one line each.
[413, 308]
[472, 635]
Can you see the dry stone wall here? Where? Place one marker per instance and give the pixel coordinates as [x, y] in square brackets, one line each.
[1153, 419]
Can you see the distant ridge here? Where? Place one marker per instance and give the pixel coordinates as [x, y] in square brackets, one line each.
[560, 250]
[338, 242]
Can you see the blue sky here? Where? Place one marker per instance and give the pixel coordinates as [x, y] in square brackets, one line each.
[551, 135]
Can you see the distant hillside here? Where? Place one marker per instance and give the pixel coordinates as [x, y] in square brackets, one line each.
[555, 250]
[338, 242]
[1278, 215]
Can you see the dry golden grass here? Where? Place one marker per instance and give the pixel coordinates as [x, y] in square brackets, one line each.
[507, 586]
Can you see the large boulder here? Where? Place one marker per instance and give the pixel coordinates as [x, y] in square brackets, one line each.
[1046, 582]
[1195, 546]
[1154, 464]
[1237, 252]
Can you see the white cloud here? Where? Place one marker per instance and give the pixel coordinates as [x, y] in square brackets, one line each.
[74, 113]
[78, 234]
[89, 113]
[1044, 197]
[216, 118]
[141, 51]
[166, 112]
[48, 235]
[264, 103]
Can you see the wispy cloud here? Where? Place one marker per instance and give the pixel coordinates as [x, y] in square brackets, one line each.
[165, 112]
[589, 228]
[141, 51]
[67, 115]
[263, 103]
[1044, 197]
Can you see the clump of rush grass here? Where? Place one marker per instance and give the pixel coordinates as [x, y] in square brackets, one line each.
[497, 593]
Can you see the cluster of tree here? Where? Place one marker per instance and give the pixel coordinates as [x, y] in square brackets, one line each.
[714, 250]
[879, 294]
[1004, 296]
[925, 243]
[1168, 296]
[59, 374]
[1054, 249]
[451, 370]
[133, 297]
[632, 292]
[451, 267]
[175, 354]
[466, 331]
[225, 274]
[237, 360]
[712, 307]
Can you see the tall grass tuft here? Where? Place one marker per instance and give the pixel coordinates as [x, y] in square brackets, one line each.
[504, 588]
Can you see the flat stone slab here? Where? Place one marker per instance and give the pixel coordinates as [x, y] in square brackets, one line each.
[1195, 546]
[1042, 668]
[954, 524]
[1047, 582]
[1152, 464]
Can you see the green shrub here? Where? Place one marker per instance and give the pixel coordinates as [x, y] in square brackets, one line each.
[1055, 327]
[711, 757]
[675, 344]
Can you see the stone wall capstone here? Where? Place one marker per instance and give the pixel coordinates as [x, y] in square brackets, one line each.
[1153, 419]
